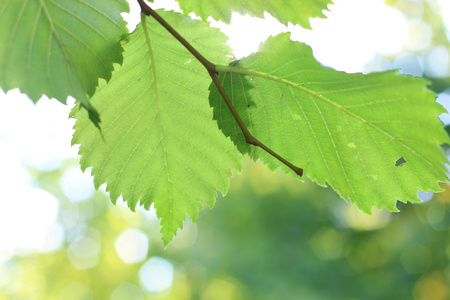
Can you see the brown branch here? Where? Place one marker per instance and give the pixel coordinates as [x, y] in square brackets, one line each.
[210, 67]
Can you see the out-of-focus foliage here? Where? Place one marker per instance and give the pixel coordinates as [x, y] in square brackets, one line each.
[427, 52]
[287, 240]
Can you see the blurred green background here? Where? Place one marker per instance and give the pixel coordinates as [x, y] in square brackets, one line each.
[271, 237]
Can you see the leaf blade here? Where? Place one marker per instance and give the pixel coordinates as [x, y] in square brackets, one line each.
[296, 12]
[160, 144]
[339, 126]
[59, 49]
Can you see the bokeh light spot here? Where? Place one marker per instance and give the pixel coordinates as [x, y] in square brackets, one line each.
[84, 253]
[76, 185]
[156, 275]
[127, 290]
[327, 244]
[416, 259]
[351, 216]
[419, 36]
[437, 62]
[132, 245]
[436, 215]
[431, 287]
[219, 289]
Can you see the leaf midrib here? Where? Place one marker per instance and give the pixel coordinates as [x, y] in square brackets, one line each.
[158, 110]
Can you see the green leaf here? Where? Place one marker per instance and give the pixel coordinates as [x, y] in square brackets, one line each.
[374, 138]
[59, 48]
[294, 11]
[160, 143]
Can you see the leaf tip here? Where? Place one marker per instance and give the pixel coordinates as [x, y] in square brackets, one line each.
[167, 236]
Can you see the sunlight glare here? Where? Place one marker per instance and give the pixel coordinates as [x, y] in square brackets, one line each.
[352, 34]
[445, 11]
[28, 221]
[336, 41]
[246, 33]
[419, 35]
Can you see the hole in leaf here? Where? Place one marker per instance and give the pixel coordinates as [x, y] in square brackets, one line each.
[400, 162]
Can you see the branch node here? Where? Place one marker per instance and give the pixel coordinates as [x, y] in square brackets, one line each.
[250, 139]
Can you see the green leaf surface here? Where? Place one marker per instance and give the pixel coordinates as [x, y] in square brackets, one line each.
[374, 138]
[59, 48]
[160, 143]
[294, 11]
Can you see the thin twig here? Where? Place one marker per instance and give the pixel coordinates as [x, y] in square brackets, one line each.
[210, 67]
[150, 12]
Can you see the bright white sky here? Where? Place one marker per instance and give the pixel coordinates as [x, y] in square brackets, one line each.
[38, 136]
